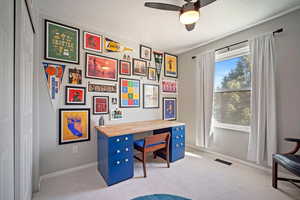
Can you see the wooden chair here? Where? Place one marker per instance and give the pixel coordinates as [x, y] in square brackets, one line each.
[158, 144]
[290, 161]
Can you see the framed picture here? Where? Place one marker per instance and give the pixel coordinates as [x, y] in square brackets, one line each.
[145, 52]
[171, 65]
[129, 93]
[61, 42]
[92, 42]
[75, 76]
[74, 125]
[100, 105]
[139, 67]
[150, 96]
[102, 88]
[75, 95]
[114, 101]
[169, 86]
[151, 73]
[101, 67]
[125, 67]
[169, 108]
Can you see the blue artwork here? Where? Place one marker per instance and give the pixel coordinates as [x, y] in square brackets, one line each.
[74, 125]
[169, 108]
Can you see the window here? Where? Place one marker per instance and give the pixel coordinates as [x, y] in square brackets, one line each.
[232, 90]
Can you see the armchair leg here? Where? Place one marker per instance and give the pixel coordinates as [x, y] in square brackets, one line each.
[274, 174]
[144, 164]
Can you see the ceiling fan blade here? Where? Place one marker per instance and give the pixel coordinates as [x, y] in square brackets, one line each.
[162, 6]
[190, 27]
[202, 3]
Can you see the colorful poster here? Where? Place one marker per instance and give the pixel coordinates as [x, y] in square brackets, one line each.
[169, 86]
[92, 42]
[54, 74]
[125, 67]
[169, 108]
[151, 73]
[171, 66]
[75, 76]
[129, 93]
[74, 125]
[101, 105]
[61, 42]
[101, 67]
[75, 95]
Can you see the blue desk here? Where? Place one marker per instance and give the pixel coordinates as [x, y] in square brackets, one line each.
[115, 146]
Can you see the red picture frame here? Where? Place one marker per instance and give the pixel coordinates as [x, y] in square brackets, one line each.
[169, 86]
[100, 105]
[125, 67]
[75, 95]
[92, 42]
[101, 67]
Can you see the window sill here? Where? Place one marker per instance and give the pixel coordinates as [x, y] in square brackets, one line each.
[244, 129]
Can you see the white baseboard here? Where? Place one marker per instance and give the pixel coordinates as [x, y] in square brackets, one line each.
[269, 170]
[65, 171]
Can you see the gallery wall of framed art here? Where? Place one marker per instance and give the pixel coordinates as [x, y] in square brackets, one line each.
[89, 69]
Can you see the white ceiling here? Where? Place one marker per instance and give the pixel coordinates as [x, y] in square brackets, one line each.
[130, 20]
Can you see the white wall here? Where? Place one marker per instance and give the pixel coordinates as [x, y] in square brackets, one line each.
[54, 157]
[234, 143]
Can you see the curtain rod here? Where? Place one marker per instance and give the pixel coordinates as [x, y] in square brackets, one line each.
[227, 47]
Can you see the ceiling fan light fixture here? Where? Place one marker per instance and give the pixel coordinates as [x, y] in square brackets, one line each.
[189, 16]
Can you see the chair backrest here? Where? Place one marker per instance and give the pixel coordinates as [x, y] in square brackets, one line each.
[162, 138]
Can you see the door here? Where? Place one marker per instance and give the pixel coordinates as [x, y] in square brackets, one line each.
[6, 100]
[23, 103]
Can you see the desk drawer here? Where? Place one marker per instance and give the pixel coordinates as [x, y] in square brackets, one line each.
[178, 131]
[120, 169]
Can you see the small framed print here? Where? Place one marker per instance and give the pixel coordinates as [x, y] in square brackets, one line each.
[169, 108]
[150, 96]
[169, 86]
[74, 125]
[92, 42]
[124, 67]
[145, 52]
[151, 73]
[114, 101]
[100, 105]
[75, 76]
[139, 67]
[171, 66]
[75, 95]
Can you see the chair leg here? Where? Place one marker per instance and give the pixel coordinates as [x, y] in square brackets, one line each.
[144, 164]
[154, 155]
[168, 158]
[274, 174]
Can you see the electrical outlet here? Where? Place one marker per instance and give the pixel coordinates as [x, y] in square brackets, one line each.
[75, 148]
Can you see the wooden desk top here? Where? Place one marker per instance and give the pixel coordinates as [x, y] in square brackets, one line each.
[136, 127]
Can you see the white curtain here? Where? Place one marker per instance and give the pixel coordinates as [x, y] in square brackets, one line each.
[204, 103]
[263, 137]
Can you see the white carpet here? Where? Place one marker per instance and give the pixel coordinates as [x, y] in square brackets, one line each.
[197, 177]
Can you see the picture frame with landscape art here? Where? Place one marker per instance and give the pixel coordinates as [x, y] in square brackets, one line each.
[145, 52]
[170, 65]
[75, 95]
[101, 67]
[150, 96]
[74, 125]
[92, 42]
[100, 105]
[61, 42]
[169, 108]
[139, 67]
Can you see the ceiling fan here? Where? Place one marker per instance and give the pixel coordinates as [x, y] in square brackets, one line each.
[189, 12]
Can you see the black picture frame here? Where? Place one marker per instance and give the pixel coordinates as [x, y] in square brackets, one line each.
[94, 109]
[148, 74]
[46, 42]
[141, 55]
[163, 111]
[120, 93]
[133, 67]
[165, 65]
[67, 95]
[158, 91]
[60, 125]
[84, 42]
[120, 67]
[86, 67]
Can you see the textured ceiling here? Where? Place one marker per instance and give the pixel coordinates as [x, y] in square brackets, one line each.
[130, 20]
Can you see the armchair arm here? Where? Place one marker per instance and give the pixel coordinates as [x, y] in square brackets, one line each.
[297, 147]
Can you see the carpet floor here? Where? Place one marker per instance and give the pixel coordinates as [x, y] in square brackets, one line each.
[197, 177]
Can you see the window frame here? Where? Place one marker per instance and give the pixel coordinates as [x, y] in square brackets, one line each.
[226, 56]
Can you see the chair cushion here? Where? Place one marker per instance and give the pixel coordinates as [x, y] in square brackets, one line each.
[140, 143]
[289, 161]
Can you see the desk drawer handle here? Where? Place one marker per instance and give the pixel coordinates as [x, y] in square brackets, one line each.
[177, 129]
[126, 138]
[118, 139]
[126, 160]
[118, 151]
[181, 128]
[177, 137]
[177, 145]
[181, 136]
[118, 162]
[181, 144]
[126, 149]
